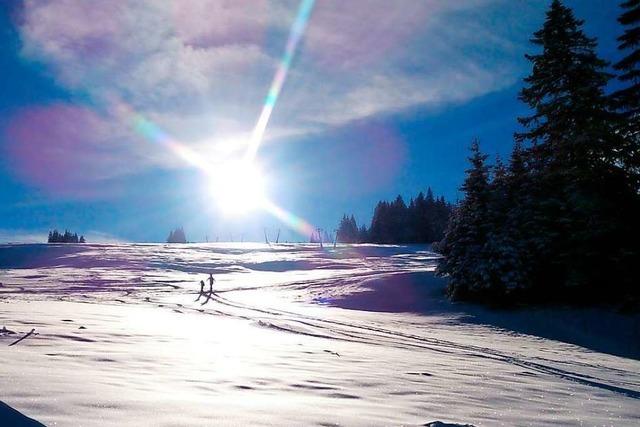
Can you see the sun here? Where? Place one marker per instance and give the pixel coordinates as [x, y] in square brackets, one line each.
[238, 187]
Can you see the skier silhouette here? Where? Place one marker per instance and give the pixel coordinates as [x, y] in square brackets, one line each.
[211, 280]
[201, 289]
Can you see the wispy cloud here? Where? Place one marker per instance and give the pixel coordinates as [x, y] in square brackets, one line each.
[201, 69]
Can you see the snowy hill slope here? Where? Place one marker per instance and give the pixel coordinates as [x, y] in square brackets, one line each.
[359, 335]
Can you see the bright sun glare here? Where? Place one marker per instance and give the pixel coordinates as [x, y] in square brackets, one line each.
[238, 187]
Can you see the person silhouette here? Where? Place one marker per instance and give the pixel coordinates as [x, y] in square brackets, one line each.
[201, 289]
[211, 280]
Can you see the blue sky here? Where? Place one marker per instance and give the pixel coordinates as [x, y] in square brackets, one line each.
[381, 99]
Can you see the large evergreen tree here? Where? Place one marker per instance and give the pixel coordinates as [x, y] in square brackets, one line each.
[570, 124]
[627, 100]
[629, 66]
[466, 237]
[519, 226]
[561, 221]
[497, 252]
[574, 156]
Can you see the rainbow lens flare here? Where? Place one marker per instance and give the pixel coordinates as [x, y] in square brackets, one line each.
[297, 30]
[154, 133]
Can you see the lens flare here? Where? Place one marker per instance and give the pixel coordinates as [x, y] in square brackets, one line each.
[297, 30]
[238, 186]
[292, 221]
[154, 133]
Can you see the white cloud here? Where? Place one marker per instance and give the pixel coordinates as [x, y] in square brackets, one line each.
[395, 92]
[201, 68]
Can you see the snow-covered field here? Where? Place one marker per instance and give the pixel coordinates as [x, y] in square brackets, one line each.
[293, 335]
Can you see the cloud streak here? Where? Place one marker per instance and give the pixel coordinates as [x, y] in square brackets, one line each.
[201, 69]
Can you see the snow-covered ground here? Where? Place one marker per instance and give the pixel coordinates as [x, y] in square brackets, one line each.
[293, 335]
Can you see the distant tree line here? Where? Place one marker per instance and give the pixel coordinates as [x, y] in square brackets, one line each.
[319, 236]
[56, 237]
[177, 236]
[560, 221]
[422, 221]
[348, 231]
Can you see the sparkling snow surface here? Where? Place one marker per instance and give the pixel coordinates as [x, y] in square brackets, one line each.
[293, 335]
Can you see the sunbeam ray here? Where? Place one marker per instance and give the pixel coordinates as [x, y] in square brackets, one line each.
[297, 30]
[292, 221]
[152, 132]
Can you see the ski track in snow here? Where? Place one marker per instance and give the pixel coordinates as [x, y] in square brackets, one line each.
[386, 337]
[278, 289]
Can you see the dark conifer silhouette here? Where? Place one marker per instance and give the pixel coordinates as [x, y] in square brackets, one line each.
[627, 100]
[177, 236]
[348, 230]
[467, 234]
[56, 237]
[574, 158]
[363, 234]
[422, 221]
[560, 222]
[629, 66]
